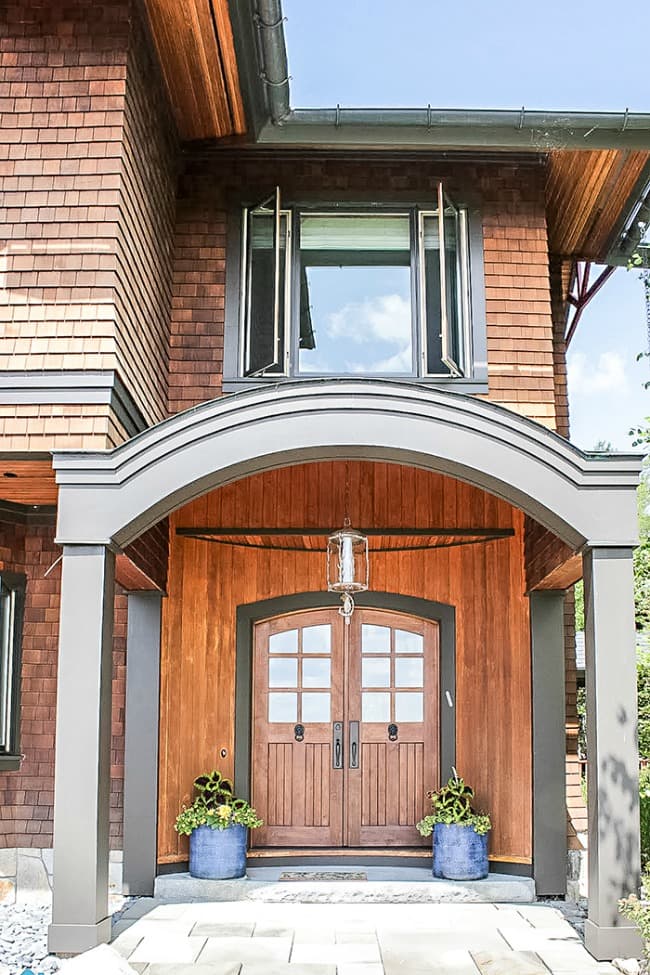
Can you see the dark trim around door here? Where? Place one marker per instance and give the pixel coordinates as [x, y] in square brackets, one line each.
[250, 613]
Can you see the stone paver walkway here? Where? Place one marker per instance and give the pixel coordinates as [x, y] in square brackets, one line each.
[253, 938]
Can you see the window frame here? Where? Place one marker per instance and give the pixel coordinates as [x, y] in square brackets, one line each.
[474, 342]
[13, 583]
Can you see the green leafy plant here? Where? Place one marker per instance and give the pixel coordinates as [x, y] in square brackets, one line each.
[644, 805]
[637, 909]
[215, 805]
[452, 805]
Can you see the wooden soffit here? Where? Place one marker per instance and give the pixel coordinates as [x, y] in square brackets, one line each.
[194, 40]
[28, 482]
[588, 194]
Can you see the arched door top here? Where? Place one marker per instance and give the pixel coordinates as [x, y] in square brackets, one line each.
[111, 497]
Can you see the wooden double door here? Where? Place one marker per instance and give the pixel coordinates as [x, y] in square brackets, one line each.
[345, 728]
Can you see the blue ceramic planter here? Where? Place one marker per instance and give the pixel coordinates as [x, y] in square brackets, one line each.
[218, 854]
[459, 853]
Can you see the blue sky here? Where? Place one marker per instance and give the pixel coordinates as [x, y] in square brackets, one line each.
[469, 54]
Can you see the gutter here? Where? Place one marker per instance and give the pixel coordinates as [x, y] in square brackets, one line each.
[425, 128]
[258, 35]
[274, 72]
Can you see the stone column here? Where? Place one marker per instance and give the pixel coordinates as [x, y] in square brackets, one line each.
[549, 742]
[80, 918]
[141, 742]
[613, 776]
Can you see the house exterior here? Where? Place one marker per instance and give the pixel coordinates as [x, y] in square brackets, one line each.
[227, 327]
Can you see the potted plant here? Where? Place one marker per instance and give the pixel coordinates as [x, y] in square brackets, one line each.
[217, 824]
[459, 832]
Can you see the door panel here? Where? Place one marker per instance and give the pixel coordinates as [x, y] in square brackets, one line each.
[393, 688]
[297, 694]
[377, 681]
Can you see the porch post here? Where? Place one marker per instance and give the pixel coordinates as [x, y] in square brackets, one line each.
[141, 741]
[613, 771]
[549, 742]
[80, 918]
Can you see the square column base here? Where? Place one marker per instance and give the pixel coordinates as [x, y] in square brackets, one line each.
[72, 939]
[607, 943]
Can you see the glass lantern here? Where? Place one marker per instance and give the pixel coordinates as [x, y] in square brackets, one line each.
[347, 566]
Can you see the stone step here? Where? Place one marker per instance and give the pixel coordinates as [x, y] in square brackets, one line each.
[388, 885]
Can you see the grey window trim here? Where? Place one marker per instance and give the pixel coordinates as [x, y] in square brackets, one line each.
[13, 584]
[474, 333]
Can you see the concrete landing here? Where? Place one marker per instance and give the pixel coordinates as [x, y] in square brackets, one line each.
[385, 885]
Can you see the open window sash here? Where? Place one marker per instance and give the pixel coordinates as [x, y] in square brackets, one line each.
[447, 213]
[265, 287]
[12, 602]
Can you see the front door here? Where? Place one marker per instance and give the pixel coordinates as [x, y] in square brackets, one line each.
[345, 728]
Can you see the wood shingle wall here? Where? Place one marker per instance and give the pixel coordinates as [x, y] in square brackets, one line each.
[86, 161]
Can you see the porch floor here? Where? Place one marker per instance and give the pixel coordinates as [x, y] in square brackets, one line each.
[383, 884]
[257, 938]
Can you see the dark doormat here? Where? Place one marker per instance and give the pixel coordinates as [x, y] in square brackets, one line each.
[322, 875]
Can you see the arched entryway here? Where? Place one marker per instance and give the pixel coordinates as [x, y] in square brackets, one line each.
[107, 500]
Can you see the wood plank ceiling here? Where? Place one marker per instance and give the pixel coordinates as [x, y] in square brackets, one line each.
[586, 197]
[28, 482]
[196, 50]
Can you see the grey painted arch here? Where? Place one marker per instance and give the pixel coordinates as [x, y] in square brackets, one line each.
[111, 497]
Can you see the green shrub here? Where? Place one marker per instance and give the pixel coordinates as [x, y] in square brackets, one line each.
[644, 796]
[643, 690]
[638, 911]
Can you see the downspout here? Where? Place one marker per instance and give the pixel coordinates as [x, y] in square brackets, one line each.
[269, 21]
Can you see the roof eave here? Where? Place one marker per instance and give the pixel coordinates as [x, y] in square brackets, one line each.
[426, 128]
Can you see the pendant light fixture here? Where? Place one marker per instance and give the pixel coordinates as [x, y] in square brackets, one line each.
[347, 560]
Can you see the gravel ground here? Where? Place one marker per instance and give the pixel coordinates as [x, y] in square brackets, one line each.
[23, 936]
[23, 939]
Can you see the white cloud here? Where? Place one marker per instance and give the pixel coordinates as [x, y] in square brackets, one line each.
[400, 362]
[386, 318]
[606, 376]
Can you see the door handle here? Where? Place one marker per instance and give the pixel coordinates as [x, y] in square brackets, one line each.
[354, 744]
[337, 744]
[392, 732]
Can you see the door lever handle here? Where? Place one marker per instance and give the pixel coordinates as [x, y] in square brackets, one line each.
[337, 744]
[354, 744]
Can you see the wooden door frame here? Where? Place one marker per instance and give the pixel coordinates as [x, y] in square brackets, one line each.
[250, 613]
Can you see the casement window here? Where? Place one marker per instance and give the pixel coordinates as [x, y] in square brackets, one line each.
[12, 604]
[355, 291]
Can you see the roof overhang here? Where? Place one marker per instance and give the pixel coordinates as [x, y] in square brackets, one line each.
[455, 129]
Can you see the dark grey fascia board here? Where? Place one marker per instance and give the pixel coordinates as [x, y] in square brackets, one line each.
[74, 386]
[258, 34]
[426, 128]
